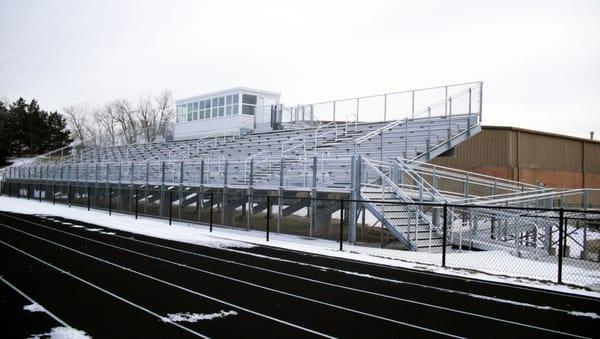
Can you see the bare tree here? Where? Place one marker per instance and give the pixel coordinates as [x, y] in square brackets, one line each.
[108, 126]
[154, 115]
[146, 115]
[121, 122]
[77, 120]
[125, 118]
[164, 107]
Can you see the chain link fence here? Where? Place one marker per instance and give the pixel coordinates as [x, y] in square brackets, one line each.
[551, 245]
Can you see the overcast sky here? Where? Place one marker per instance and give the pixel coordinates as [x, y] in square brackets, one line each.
[540, 60]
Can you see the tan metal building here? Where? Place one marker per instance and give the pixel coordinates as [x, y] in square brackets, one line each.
[558, 161]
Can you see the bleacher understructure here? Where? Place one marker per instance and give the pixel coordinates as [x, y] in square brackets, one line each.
[380, 166]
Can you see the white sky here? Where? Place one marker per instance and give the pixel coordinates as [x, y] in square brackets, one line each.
[540, 60]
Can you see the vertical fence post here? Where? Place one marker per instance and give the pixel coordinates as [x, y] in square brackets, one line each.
[560, 243]
[88, 197]
[413, 104]
[170, 206]
[445, 233]
[565, 237]
[28, 191]
[341, 223]
[53, 194]
[110, 201]
[268, 214]
[18, 190]
[385, 107]
[69, 194]
[211, 211]
[136, 202]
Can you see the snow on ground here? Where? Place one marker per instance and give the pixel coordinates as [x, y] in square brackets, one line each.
[34, 308]
[498, 266]
[62, 333]
[20, 161]
[148, 226]
[195, 317]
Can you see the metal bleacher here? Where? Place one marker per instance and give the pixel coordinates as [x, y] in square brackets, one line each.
[377, 161]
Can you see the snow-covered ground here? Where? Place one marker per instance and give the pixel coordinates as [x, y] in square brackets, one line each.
[20, 161]
[62, 333]
[490, 265]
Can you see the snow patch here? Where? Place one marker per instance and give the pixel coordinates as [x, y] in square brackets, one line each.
[34, 308]
[94, 229]
[77, 226]
[108, 233]
[195, 317]
[549, 308]
[585, 314]
[62, 333]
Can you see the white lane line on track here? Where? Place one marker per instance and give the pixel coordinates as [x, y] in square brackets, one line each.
[62, 322]
[388, 280]
[100, 288]
[307, 279]
[397, 268]
[223, 277]
[181, 287]
[368, 276]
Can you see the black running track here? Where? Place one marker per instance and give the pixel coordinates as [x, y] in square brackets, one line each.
[111, 283]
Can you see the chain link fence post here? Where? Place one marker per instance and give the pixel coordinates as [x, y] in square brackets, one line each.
[560, 244]
[268, 214]
[341, 224]
[212, 201]
[445, 234]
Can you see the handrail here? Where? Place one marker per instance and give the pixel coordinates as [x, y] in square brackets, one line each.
[448, 170]
[256, 155]
[385, 178]
[400, 92]
[432, 190]
[371, 134]
[283, 150]
[390, 183]
[349, 121]
[538, 196]
[395, 123]
[326, 133]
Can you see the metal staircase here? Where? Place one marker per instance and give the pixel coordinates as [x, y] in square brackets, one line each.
[407, 222]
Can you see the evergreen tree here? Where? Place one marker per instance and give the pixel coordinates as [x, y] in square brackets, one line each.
[6, 134]
[26, 129]
[58, 134]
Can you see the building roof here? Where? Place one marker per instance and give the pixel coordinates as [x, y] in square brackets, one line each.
[230, 90]
[531, 131]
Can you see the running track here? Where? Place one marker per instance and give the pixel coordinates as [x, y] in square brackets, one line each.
[124, 285]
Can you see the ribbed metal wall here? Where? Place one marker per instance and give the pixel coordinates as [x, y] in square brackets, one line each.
[488, 148]
[547, 152]
[592, 158]
[506, 152]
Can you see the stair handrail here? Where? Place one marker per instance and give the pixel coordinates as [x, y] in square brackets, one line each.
[454, 173]
[348, 122]
[302, 144]
[401, 193]
[325, 133]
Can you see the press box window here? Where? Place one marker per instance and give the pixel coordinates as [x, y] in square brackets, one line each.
[248, 104]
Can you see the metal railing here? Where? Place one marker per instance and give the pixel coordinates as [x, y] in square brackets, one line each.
[461, 102]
